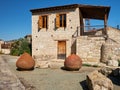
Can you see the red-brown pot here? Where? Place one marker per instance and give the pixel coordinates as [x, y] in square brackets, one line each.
[73, 62]
[25, 62]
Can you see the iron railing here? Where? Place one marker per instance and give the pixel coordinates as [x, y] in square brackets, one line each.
[96, 30]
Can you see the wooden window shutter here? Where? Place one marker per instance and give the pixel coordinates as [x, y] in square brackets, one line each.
[40, 22]
[57, 20]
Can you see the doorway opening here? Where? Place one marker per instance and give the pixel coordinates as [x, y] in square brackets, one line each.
[61, 50]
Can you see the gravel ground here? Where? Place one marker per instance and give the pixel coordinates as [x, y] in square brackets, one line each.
[53, 79]
[8, 80]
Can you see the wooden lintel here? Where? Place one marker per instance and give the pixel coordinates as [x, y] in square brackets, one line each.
[61, 39]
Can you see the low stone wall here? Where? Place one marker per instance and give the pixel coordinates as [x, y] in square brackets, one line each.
[47, 61]
[42, 61]
[89, 48]
[5, 51]
[43, 57]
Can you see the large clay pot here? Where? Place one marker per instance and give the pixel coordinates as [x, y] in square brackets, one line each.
[73, 62]
[25, 62]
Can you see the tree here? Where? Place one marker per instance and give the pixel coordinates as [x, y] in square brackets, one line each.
[20, 46]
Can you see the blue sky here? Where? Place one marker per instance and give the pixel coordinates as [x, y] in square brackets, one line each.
[15, 15]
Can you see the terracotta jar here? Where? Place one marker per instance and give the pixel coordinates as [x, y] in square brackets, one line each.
[25, 62]
[73, 62]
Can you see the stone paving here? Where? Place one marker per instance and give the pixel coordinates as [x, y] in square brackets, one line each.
[50, 79]
[8, 81]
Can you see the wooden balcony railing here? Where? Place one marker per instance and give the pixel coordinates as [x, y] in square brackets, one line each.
[96, 30]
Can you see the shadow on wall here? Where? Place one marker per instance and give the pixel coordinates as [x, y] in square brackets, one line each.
[73, 47]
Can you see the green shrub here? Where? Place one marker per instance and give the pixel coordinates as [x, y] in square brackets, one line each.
[95, 65]
[20, 46]
[89, 65]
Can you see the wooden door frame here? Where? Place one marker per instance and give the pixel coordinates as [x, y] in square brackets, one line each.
[58, 48]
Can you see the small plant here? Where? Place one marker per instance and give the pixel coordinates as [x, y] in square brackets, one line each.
[95, 65]
[88, 65]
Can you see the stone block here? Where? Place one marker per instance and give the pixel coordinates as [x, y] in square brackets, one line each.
[56, 64]
[92, 60]
[97, 81]
[42, 64]
[112, 63]
[106, 71]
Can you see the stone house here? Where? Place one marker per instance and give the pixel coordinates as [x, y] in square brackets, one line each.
[5, 47]
[59, 31]
[29, 38]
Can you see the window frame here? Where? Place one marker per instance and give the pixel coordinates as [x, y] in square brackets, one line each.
[61, 20]
[43, 21]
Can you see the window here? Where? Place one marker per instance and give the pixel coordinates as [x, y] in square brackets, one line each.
[60, 20]
[43, 22]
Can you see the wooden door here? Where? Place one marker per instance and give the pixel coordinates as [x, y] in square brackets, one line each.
[61, 49]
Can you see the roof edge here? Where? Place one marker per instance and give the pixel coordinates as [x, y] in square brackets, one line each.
[66, 7]
[55, 8]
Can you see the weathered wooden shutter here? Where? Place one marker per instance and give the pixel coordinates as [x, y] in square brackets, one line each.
[57, 20]
[40, 22]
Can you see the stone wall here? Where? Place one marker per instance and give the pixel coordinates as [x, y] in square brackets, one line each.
[5, 51]
[110, 51]
[89, 48]
[114, 34]
[43, 57]
[111, 48]
[45, 41]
